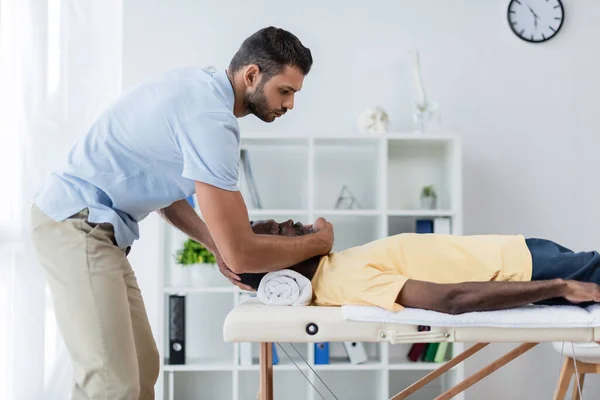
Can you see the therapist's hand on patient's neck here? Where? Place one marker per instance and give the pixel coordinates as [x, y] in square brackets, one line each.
[242, 250]
[325, 229]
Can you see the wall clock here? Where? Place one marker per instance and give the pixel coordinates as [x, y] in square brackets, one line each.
[535, 21]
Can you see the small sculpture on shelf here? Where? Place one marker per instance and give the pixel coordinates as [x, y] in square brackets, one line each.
[426, 113]
[428, 198]
[346, 200]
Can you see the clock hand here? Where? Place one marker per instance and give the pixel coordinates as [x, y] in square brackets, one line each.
[533, 12]
[535, 16]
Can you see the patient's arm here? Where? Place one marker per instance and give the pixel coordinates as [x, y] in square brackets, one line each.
[464, 297]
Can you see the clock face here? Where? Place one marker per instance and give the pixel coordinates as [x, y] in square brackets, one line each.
[535, 20]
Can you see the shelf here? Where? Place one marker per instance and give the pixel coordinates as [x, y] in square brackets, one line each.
[280, 367]
[414, 366]
[222, 365]
[198, 364]
[346, 366]
[208, 289]
[350, 142]
[276, 212]
[358, 213]
[421, 213]
[279, 137]
[279, 141]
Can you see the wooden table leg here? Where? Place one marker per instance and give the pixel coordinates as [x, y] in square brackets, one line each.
[564, 379]
[439, 371]
[266, 371]
[482, 373]
[576, 394]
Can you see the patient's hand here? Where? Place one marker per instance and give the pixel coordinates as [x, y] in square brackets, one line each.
[232, 276]
[579, 292]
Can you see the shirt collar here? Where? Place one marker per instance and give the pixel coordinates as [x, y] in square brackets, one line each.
[225, 85]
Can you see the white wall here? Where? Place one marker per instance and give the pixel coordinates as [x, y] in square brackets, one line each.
[527, 113]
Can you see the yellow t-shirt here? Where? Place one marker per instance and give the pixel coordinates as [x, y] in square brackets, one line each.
[374, 273]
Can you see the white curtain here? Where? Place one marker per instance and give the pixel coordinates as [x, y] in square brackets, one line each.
[60, 66]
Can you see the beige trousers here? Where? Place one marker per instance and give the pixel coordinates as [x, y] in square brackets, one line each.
[99, 308]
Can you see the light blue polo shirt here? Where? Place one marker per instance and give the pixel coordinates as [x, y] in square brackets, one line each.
[146, 150]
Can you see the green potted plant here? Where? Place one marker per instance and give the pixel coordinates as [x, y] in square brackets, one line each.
[198, 260]
[428, 197]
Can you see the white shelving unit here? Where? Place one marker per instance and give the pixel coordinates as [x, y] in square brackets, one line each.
[300, 177]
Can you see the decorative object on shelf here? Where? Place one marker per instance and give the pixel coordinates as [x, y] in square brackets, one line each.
[373, 121]
[346, 200]
[245, 158]
[428, 197]
[426, 112]
[199, 261]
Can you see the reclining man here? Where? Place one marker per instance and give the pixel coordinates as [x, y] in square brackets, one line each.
[445, 273]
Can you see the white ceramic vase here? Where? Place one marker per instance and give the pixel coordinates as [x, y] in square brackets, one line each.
[202, 274]
[428, 202]
[180, 276]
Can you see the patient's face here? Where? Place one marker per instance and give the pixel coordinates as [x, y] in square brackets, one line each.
[286, 228]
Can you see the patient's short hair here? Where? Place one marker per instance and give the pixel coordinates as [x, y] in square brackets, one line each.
[252, 279]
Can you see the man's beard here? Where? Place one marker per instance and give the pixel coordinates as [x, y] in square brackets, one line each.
[256, 103]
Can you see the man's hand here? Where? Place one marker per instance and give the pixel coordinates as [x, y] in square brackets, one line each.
[229, 274]
[580, 292]
[325, 230]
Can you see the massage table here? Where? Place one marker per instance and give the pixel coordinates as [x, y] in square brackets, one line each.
[253, 321]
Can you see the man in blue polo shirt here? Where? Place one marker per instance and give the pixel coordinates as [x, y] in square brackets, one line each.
[154, 147]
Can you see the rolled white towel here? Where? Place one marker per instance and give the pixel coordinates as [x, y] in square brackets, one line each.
[285, 287]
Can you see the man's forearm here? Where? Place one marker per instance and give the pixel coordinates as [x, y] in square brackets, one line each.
[269, 253]
[486, 296]
[458, 298]
[182, 216]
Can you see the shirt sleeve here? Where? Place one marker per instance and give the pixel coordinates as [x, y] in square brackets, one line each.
[381, 289]
[210, 146]
[373, 287]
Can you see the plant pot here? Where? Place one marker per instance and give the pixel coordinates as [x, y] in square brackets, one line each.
[179, 276]
[428, 202]
[201, 274]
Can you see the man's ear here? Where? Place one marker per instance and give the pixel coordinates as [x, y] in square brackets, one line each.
[251, 75]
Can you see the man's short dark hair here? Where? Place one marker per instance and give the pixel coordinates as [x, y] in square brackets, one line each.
[272, 49]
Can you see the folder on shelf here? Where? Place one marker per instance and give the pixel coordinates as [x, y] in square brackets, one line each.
[356, 352]
[440, 354]
[275, 356]
[431, 350]
[322, 353]
[416, 351]
[424, 226]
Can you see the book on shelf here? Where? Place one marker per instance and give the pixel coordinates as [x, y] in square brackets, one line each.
[254, 197]
[416, 351]
[428, 352]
